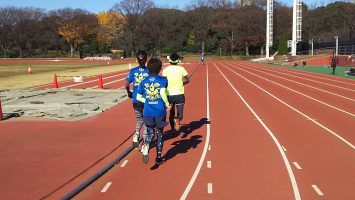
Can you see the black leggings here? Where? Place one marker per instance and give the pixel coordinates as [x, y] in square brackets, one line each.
[177, 101]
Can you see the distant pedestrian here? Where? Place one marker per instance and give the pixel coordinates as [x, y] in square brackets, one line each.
[334, 61]
[152, 92]
[177, 77]
[135, 77]
[202, 58]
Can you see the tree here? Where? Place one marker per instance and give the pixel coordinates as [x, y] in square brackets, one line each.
[78, 30]
[132, 10]
[282, 48]
[110, 27]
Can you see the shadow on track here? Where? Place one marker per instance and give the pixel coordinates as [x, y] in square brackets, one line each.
[183, 145]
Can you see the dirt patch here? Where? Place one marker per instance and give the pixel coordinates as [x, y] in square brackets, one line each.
[74, 104]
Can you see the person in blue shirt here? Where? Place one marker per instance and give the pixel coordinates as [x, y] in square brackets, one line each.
[152, 92]
[135, 77]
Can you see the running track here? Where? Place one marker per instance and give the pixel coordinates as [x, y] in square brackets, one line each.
[250, 132]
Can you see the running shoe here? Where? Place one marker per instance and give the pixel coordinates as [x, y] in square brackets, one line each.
[145, 153]
[159, 161]
[135, 139]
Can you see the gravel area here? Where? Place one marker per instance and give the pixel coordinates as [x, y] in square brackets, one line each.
[58, 104]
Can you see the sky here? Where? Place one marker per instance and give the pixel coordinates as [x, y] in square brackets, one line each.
[96, 6]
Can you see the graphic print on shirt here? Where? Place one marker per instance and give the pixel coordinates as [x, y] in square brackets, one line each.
[139, 77]
[152, 91]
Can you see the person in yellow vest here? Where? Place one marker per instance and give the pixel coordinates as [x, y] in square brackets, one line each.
[177, 78]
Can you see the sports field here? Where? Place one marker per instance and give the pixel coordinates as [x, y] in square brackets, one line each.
[248, 127]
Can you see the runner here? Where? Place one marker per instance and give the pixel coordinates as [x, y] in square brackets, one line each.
[177, 77]
[135, 77]
[152, 92]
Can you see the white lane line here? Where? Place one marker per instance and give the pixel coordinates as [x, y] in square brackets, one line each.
[108, 184]
[297, 165]
[284, 157]
[299, 112]
[110, 82]
[209, 147]
[295, 91]
[305, 73]
[326, 91]
[124, 163]
[304, 78]
[319, 192]
[204, 152]
[209, 164]
[209, 188]
[284, 148]
[95, 80]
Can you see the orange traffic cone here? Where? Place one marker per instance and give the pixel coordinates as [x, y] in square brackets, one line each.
[1, 117]
[101, 85]
[55, 82]
[29, 71]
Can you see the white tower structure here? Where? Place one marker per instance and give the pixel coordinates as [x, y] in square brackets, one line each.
[269, 26]
[297, 25]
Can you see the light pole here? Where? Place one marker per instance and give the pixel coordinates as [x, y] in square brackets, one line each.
[336, 45]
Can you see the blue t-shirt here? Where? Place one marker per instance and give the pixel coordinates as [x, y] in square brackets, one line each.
[136, 76]
[149, 88]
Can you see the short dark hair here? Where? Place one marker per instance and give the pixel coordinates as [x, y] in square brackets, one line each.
[142, 57]
[174, 56]
[154, 66]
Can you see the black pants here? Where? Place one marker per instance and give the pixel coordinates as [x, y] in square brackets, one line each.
[334, 66]
[177, 101]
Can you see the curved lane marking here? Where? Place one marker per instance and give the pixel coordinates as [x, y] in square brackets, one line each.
[299, 112]
[279, 147]
[204, 152]
[314, 99]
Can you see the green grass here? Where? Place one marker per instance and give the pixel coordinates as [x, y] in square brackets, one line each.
[340, 70]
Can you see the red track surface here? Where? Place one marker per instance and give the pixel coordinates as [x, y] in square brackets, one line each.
[273, 134]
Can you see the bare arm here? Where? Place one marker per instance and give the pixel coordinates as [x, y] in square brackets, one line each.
[129, 93]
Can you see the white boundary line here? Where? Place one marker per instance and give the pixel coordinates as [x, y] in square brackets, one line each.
[295, 91]
[299, 112]
[297, 165]
[68, 86]
[108, 184]
[319, 192]
[284, 157]
[326, 91]
[209, 188]
[311, 74]
[110, 82]
[204, 152]
[279, 72]
[124, 163]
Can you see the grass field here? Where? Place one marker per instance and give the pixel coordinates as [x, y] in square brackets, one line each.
[13, 75]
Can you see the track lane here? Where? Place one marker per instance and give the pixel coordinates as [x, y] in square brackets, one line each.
[321, 85]
[326, 161]
[343, 82]
[182, 151]
[311, 108]
[245, 163]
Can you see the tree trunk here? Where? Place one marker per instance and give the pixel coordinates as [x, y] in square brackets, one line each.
[72, 50]
[262, 50]
[20, 50]
[350, 33]
[247, 49]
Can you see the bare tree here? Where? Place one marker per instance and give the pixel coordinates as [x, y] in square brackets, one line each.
[132, 10]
